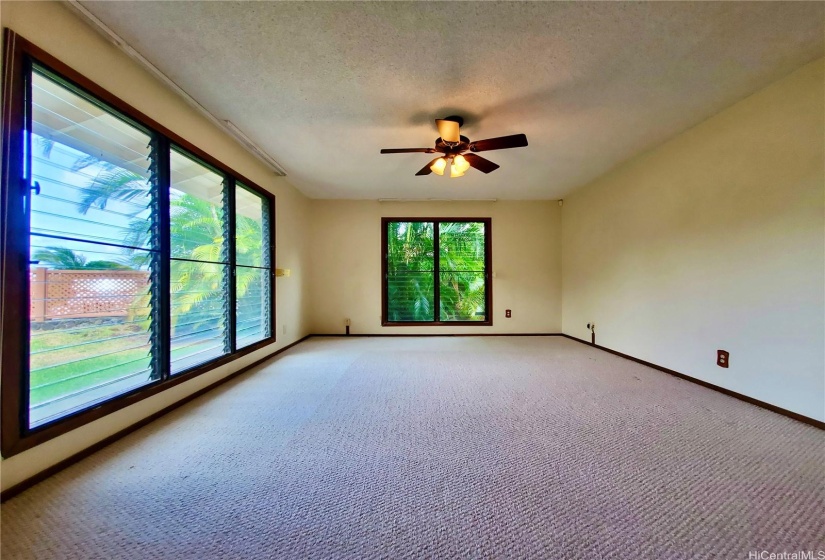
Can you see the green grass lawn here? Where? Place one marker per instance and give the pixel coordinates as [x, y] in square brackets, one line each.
[66, 361]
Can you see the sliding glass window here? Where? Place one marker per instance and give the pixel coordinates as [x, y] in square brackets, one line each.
[131, 260]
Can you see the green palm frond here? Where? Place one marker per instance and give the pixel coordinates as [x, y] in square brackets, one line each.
[117, 184]
[211, 252]
[60, 258]
[45, 145]
[88, 161]
[245, 279]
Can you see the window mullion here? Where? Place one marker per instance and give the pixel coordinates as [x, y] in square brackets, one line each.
[267, 260]
[437, 273]
[230, 338]
[161, 243]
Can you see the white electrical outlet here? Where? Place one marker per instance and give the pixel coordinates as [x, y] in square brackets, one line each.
[347, 322]
[283, 328]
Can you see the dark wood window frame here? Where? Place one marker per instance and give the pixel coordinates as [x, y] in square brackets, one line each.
[19, 56]
[488, 277]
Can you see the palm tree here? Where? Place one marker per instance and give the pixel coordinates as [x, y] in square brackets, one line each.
[196, 235]
[62, 258]
[110, 183]
[410, 266]
[462, 282]
[411, 277]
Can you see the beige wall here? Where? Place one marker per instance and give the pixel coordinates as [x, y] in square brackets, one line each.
[714, 240]
[52, 27]
[346, 264]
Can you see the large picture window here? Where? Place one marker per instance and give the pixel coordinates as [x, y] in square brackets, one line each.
[90, 334]
[436, 271]
[132, 261]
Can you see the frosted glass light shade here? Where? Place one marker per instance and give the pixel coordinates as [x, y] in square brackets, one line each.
[439, 166]
[461, 163]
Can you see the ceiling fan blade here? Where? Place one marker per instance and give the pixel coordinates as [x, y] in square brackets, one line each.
[448, 130]
[408, 150]
[500, 143]
[480, 163]
[426, 169]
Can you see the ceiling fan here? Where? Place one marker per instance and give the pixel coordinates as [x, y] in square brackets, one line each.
[458, 151]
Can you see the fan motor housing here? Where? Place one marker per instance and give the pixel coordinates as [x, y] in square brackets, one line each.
[447, 149]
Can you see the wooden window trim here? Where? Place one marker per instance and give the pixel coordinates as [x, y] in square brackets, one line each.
[15, 436]
[488, 275]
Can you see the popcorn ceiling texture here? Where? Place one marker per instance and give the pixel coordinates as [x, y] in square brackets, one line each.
[480, 447]
[324, 86]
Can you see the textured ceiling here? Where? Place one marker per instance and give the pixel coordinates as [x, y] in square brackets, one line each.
[323, 86]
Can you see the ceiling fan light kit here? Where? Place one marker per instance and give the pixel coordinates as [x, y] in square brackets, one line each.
[461, 163]
[458, 165]
[459, 150]
[438, 166]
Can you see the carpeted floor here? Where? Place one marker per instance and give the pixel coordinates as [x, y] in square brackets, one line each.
[481, 447]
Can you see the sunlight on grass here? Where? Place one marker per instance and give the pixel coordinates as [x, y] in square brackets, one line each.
[71, 360]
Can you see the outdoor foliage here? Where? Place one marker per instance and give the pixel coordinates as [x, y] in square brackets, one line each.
[99, 336]
[62, 258]
[197, 234]
[411, 271]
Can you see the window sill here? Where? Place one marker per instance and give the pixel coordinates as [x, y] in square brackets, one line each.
[437, 323]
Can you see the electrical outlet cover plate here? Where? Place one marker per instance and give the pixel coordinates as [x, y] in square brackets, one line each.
[722, 358]
[508, 313]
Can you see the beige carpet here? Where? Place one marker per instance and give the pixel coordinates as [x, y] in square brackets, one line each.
[439, 448]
